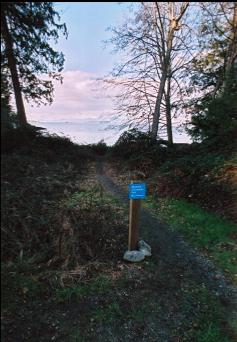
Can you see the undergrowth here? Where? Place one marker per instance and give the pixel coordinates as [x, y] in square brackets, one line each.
[197, 172]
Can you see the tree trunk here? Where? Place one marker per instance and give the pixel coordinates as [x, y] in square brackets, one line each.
[13, 70]
[174, 25]
[166, 63]
[156, 114]
[168, 114]
[232, 53]
[4, 119]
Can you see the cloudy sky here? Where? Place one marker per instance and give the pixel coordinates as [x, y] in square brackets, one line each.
[82, 107]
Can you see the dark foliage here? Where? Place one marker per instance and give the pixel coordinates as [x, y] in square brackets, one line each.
[216, 120]
[201, 175]
[32, 26]
[100, 148]
[135, 144]
[14, 138]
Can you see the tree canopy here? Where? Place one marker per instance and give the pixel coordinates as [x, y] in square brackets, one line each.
[27, 32]
[214, 74]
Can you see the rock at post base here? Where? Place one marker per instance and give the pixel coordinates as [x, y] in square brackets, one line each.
[144, 248]
[134, 256]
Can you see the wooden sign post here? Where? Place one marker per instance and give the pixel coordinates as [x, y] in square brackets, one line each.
[133, 234]
[137, 191]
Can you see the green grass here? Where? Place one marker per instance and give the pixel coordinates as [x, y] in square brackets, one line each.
[202, 229]
[16, 285]
[99, 285]
[94, 196]
[108, 313]
[113, 311]
[139, 313]
[209, 323]
[77, 336]
[210, 333]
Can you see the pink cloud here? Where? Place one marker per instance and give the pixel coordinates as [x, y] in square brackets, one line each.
[81, 96]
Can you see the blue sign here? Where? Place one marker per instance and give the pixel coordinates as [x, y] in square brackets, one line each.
[137, 191]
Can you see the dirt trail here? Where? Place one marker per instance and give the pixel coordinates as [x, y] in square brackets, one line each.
[171, 249]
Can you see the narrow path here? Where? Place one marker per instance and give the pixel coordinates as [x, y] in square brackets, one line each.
[170, 248]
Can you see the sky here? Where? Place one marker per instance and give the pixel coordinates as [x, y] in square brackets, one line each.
[82, 108]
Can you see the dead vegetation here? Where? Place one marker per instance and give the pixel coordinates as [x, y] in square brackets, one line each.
[190, 172]
[52, 208]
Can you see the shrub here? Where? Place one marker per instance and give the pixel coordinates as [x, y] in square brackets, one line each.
[215, 121]
[100, 148]
[14, 138]
[135, 144]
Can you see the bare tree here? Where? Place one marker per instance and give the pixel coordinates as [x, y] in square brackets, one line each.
[166, 33]
[155, 48]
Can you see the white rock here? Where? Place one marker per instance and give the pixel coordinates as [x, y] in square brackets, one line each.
[144, 248]
[134, 256]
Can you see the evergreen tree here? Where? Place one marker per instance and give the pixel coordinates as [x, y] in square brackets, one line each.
[6, 109]
[214, 75]
[27, 29]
